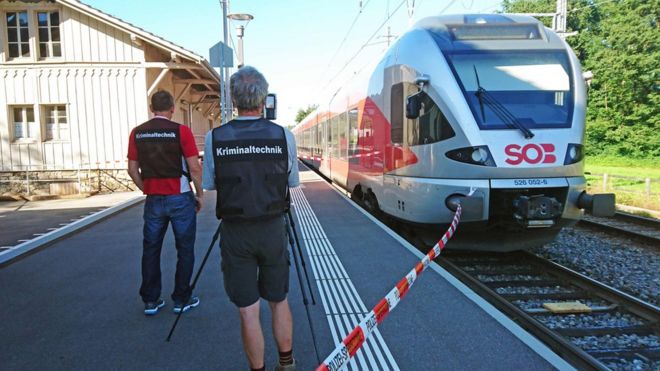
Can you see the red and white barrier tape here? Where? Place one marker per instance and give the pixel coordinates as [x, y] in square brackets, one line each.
[353, 342]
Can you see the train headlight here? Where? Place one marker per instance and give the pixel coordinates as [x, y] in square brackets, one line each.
[472, 155]
[574, 153]
[479, 155]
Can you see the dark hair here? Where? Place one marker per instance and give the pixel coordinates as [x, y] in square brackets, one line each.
[161, 101]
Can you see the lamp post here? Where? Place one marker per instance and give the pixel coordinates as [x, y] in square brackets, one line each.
[240, 31]
[224, 85]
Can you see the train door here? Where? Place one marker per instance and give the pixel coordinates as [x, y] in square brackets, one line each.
[340, 165]
[327, 153]
[332, 139]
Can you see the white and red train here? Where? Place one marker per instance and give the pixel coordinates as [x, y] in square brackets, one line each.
[493, 104]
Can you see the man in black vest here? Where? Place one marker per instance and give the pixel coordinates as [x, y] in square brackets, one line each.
[252, 163]
[162, 161]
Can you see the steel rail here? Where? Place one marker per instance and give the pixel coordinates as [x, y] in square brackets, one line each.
[641, 237]
[557, 339]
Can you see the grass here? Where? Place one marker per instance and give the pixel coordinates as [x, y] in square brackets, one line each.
[631, 192]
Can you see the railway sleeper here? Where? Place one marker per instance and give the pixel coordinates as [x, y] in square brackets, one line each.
[550, 296]
[649, 355]
[522, 283]
[641, 330]
[594, 310]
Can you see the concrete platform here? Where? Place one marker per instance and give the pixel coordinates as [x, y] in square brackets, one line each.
[75, 305]
[439, 325]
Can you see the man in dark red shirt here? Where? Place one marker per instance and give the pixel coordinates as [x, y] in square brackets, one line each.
[162, 161]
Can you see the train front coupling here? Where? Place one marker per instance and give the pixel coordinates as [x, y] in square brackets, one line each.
[536, 211]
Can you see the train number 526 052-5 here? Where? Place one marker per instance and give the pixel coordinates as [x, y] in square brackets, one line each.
[529, 182]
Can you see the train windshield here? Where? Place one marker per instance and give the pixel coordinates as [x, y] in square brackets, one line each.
[532, 88]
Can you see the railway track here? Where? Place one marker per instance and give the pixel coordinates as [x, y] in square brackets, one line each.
[602, 329]
[645, 230]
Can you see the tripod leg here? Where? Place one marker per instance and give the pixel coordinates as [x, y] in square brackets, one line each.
[302, 260]
[302, 290]
[192, 286]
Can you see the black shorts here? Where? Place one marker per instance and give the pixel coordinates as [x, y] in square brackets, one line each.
[255, 260]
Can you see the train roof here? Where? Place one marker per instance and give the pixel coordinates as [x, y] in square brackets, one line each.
[489, 32]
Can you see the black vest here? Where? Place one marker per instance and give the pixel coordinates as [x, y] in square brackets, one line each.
[158, 143]
[251, 170]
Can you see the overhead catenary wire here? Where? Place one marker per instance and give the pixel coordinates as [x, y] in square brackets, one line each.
[447, 7]
[367, 43]
[593, 5]
[350, 28]
[491, 7]
[364, 45]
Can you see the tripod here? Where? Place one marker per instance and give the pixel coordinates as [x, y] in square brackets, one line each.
[291, 230]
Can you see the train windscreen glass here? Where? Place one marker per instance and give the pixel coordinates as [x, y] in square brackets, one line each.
[534, 87]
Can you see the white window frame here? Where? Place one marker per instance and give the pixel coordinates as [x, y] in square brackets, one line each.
[31, 130]
[5, 31]
[59, 125]
[49, 27]
[33, 27]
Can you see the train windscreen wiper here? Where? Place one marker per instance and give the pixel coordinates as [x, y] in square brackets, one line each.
[502, 112]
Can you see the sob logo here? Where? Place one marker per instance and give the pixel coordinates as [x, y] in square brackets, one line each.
[530, 153]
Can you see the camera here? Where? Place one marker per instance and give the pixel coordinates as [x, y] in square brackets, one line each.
[271, 107]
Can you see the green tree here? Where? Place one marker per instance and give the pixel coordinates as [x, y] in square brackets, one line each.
[618, 41]
[303, 112]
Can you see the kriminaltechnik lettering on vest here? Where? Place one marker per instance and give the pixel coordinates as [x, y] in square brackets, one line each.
[155, 135]
[248, 150]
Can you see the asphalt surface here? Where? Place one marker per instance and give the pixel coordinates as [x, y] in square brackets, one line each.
[23, 220]
[75, 306]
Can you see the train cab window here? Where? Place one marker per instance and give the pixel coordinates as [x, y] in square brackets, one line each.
[533, 87]
[431, 126]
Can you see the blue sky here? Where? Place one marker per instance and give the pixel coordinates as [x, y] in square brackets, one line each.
[299, 45]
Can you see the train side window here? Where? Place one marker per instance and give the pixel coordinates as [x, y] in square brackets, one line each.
[431, 126]
[343, 135]
[328, 130]
[314, 144]
[334, 128]
[396, 113]
[319, 139]
[352, 132]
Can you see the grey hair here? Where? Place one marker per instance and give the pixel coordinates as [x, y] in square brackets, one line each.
[249, 88]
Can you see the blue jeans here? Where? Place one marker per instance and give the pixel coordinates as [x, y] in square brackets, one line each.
[159, 211]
